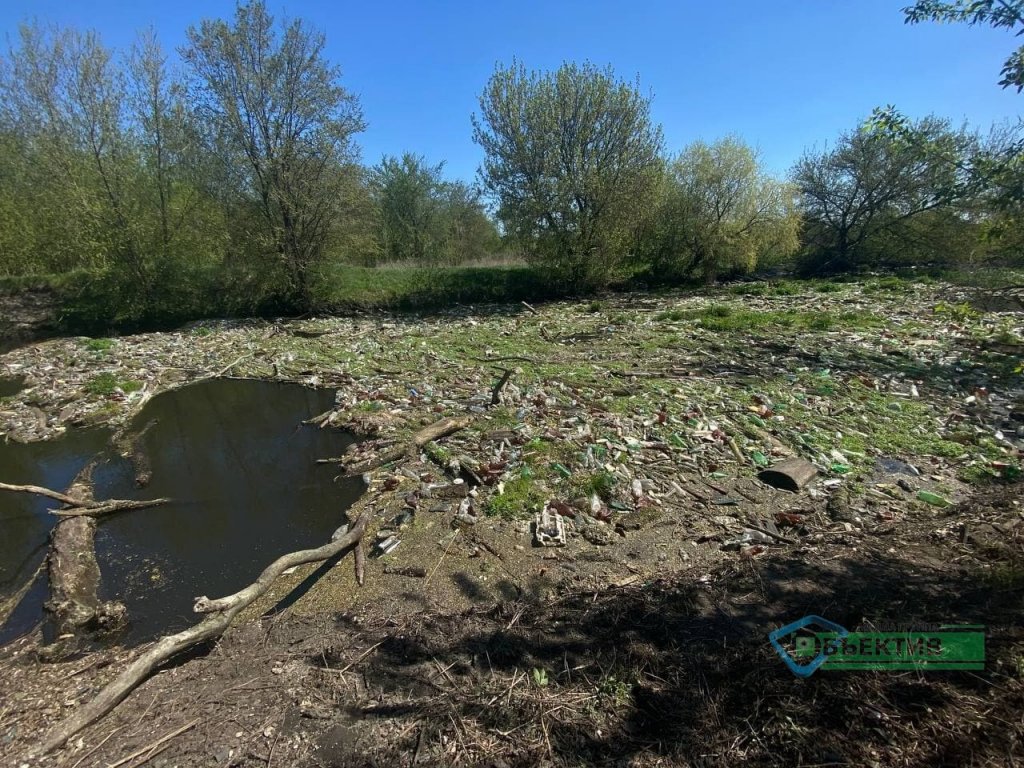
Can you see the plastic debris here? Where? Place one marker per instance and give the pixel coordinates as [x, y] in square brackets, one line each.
[548, 528]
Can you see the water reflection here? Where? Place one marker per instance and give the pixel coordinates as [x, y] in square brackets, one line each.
[240, 467]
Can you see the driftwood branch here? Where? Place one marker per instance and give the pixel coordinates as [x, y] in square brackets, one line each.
[435, 431]
[40, 491]
[81, 506]
[221, 613]
[105, 507]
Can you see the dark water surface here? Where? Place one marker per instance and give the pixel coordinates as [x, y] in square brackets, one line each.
[240, 468]
[25, 520]
[10, 386]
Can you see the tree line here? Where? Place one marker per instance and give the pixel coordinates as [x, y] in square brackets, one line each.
[229, 177]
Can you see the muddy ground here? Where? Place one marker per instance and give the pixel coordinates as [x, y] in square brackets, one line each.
[642, 421]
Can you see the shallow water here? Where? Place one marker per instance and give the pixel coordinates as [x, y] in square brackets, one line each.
[25, 520]
[240, 468]
[10, 386]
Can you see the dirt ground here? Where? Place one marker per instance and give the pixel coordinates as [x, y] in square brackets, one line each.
[643, 422]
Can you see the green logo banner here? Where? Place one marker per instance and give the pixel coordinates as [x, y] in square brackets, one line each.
[950, 647]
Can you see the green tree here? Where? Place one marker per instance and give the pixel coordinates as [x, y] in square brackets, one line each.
[283, 124]
[720, 213]
[427, 219]
[571, 159]
[871, 185]
[409, 193]
[1006, 14]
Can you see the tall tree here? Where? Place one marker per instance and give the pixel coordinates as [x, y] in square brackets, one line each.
[720, 212]
[571, 158]
[284, 124]
[411, 209]
[870, 184]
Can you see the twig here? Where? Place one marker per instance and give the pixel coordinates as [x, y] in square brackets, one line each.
[153, 745]
[766, 532]
[441, 558]
[104, 741]
[81, 506]
[504, 359]
[349, 666]
[106, 507]
[8, 606]
[224, 370]
[39, 490]
[532, 310]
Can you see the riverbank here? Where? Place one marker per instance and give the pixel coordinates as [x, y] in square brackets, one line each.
[642, 421]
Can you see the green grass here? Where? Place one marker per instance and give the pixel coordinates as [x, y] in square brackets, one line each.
[98, 345]
[521, 499]
[732, 318]
[349, 287]
[105, 384]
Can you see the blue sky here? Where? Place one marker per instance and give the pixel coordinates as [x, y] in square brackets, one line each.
[783, 75]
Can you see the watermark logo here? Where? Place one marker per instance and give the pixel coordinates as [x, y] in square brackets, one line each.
[814, 643]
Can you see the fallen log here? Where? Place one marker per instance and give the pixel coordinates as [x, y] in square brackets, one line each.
[221, 613]
[435, 431]
[74, 605]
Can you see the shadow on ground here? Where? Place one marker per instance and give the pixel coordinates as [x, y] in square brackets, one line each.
[680, 672]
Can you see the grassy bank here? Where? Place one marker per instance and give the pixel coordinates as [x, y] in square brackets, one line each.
[92, 303]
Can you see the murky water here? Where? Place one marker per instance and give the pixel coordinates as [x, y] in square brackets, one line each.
[240, 468]
[10, 386]
[25, 520]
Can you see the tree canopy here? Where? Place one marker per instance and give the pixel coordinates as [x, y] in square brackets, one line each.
[571, 159]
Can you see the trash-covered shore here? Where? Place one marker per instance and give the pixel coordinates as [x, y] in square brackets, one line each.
[641, 406]
[612, 443]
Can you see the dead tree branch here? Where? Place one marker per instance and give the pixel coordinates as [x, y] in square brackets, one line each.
[80, 506]
[435, 431]
[221, 613]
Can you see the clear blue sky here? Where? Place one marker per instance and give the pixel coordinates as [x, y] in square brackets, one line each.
[783, 75]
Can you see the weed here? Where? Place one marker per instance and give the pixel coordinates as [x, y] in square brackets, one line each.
[540, 677]
[958, 312]
[106, 384]
[612, 688]
[98, 345]
[520, 499]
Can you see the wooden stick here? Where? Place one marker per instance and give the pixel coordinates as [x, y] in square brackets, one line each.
[106, 507]
[766, 532]
[80, 506]
[39, 490]
[227, 368]
[8, 606]
[532, 310]
[496, 392]
[153, 745]
[435, 431]
[359, 557]
[222, 613]
[362, 656]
